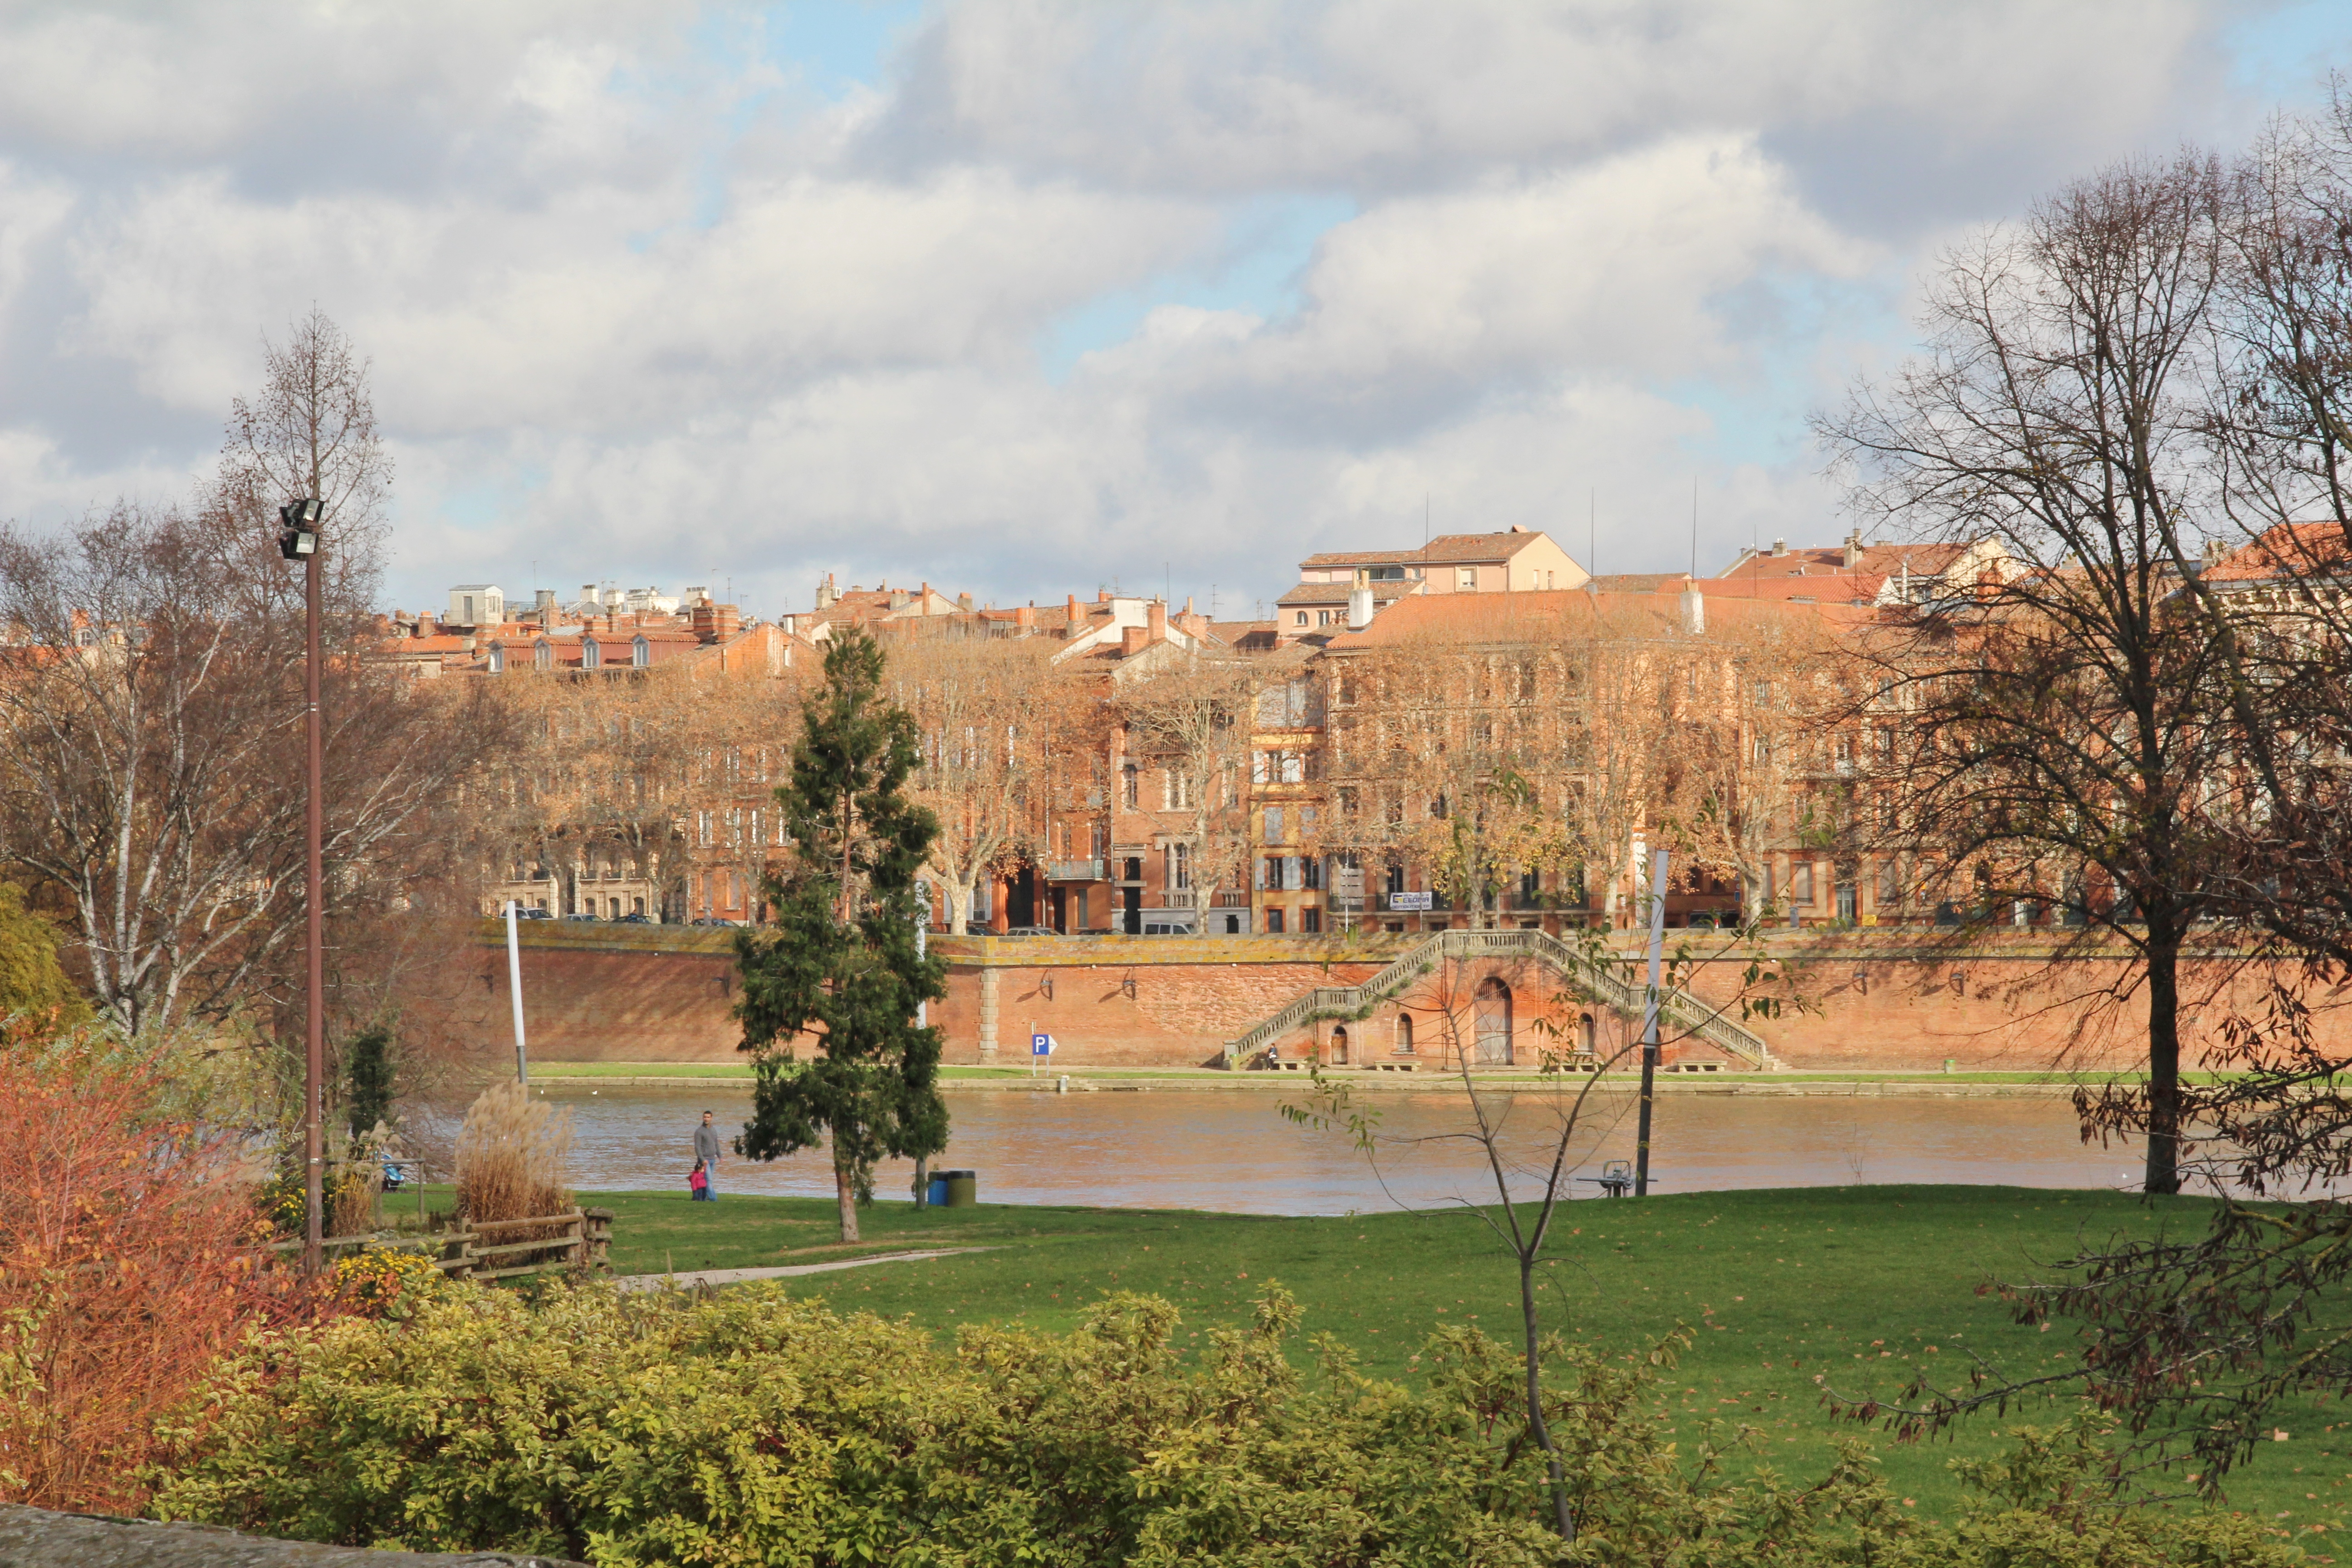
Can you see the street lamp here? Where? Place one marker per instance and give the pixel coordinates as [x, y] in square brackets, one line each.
[299, 542]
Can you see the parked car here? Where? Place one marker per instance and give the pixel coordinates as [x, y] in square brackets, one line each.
[1031, 931]
[580, 917]
[533, 915]
[639, 920]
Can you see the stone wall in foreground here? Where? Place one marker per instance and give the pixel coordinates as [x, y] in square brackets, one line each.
[1884, 999]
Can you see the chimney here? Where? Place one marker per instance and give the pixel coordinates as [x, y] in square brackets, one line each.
[381, 624]
[426, 626]
[1188, 604]
[898, 598]
[1071, 628]
[825, 593]
[1360, 608]
[1694, 609]
[1102, 596]
[1131, 640]
[542, 604]
[1025, 617]
[1155, 625]
[964, 603]
[1853, 549]
[1780, 547]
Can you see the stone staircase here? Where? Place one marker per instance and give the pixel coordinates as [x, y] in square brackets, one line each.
[1679, 1014]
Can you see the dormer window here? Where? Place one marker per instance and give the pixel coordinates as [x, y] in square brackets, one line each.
[591, 655]
[641, 652]
[543, 654]
[497, 659]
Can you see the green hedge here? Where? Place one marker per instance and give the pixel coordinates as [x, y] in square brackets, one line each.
[756, 1428]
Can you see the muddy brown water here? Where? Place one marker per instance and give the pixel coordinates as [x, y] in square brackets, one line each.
[1235, 1152]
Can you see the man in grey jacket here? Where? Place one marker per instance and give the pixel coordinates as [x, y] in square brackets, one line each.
[706, 1149]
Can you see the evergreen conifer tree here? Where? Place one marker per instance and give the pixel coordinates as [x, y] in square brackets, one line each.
[368, 1073]
[838, 959]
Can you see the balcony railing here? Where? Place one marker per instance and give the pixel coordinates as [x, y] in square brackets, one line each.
[1074, 870]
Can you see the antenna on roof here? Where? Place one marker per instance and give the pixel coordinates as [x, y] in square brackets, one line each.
[1694, 571]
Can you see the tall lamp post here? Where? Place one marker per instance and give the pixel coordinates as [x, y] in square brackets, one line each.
[299, 542]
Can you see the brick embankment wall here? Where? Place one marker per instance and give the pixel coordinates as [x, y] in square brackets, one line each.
[1882, 999]
[1899, 999]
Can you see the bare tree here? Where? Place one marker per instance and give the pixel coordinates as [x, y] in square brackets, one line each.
[1190, 712]
[2064, 722]
[1531, 1141]
[153, 697]
[1755, 750]
[1462, 762]
[985, 712]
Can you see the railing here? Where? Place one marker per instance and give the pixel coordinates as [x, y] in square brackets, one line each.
[1599, 979]
[1074, 870]
[578, 1238]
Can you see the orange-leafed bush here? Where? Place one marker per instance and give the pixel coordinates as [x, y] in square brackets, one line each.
[131, 1259]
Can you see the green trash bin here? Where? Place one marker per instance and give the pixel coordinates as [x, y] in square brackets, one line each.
[963, 1188]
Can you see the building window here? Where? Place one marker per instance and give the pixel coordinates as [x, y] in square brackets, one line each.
[641, 652]
[1466, 580]
[591, 655]
[1274, 922]
[1800, 883]
[1322, 618]
[1311, 922]
[1180, 868]
[1126, 796]
[1274, 825]
[1302, 617]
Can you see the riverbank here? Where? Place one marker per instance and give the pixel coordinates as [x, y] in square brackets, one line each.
[1095, 1080]
[1857, 1286]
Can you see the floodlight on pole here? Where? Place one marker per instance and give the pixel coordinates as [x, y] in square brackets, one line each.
[300, 543]
[298, 539]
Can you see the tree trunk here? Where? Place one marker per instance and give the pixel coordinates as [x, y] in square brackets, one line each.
[1563, 1520]
[922, 1181]
[846, 1189]
[2163, 1061]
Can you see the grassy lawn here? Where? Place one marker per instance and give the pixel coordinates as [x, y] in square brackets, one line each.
[1857, 1285]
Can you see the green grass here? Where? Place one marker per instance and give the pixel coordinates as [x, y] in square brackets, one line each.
[1858, 1286]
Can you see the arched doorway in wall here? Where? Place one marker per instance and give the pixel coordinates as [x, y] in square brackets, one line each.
[1339, 1048]
[1493, 1006]
[1588, 1035]
[1404, 1034]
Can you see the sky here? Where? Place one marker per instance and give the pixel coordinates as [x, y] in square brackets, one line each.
[1025, 299]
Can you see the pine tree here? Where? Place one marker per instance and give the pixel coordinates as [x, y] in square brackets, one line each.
[839, 960]
[368, 1073]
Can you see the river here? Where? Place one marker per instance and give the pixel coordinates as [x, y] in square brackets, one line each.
[1233, 1150]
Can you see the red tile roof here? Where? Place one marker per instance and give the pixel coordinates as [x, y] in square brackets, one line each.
[1446, 547]
[2285, 550]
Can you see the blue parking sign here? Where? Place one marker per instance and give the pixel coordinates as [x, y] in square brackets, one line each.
[1041, 1045]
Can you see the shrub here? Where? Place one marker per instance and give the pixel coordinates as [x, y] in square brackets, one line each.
[33, 984]
[130, 1259]
[755, 1427]
[388, 1282]
[510, 1156]
[349, 1191]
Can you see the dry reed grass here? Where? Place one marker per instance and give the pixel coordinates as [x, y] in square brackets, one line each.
[510, 1156]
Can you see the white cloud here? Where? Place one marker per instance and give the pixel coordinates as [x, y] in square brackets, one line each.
[641, 304]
